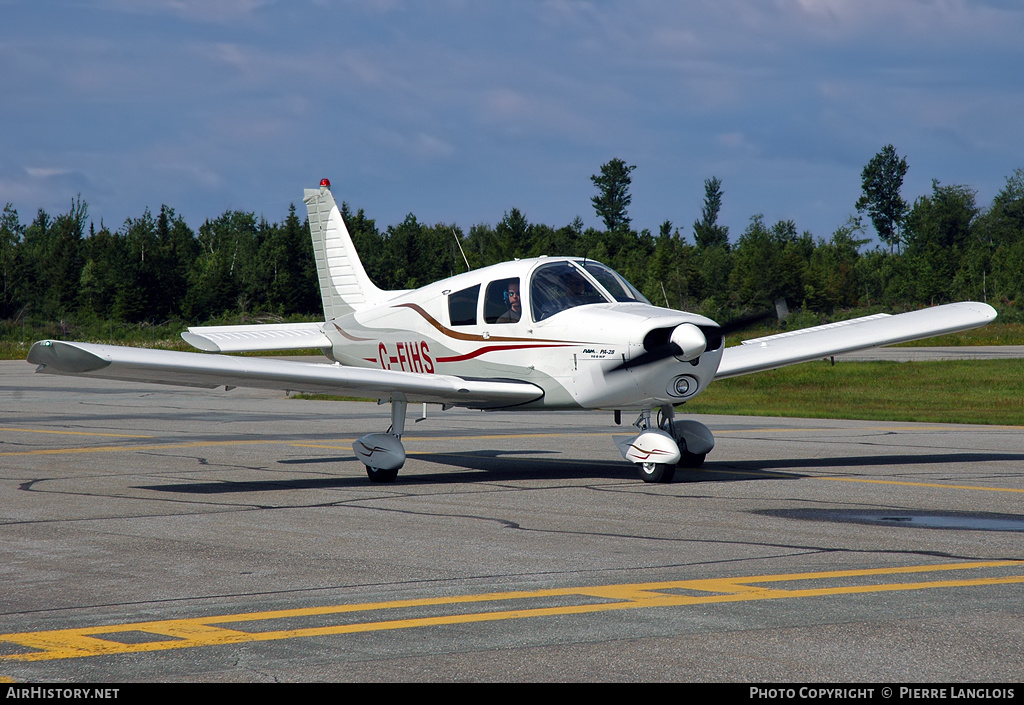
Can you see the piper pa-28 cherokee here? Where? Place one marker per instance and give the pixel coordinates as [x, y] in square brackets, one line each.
[533, 334]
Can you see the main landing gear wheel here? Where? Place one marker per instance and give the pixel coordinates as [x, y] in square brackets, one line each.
[656, 472]
[378, 475]
[691, 460]
[383, 453]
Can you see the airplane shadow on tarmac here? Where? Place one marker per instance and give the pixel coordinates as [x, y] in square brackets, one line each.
[510, 466]
[878, 460]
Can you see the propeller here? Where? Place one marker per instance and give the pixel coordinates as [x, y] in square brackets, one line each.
[744, 321]
[686, 341]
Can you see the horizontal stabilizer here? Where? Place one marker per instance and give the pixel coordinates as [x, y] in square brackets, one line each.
[201, 370]
[820, 342]
[257, 338]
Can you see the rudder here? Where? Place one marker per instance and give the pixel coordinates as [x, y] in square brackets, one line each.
[344, 284]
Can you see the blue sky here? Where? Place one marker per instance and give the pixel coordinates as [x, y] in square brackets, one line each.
[459, 110]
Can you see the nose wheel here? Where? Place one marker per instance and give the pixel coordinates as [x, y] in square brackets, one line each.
[381, 475]
[656, 472]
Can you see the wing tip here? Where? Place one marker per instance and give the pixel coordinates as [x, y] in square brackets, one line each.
[59, 356]
[987, 311]
[200, 342]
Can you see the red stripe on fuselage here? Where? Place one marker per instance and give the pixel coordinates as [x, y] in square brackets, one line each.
[351, 337]
[492, 348]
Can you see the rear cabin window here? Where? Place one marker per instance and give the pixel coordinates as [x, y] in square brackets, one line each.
[462, 306]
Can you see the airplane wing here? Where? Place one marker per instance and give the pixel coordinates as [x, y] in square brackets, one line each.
[819, 342]
[201, 370]
[257, 338]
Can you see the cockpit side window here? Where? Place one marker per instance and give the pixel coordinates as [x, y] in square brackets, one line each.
[502, 302]
[462, 306]
[559, 286]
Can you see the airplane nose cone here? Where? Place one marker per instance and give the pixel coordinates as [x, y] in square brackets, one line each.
[690, 341]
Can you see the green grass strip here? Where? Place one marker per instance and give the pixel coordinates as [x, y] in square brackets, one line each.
[968, 391]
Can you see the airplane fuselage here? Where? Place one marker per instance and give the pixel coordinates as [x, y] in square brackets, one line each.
[462, 326]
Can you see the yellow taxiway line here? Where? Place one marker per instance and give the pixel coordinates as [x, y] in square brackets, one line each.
[921, 484]
[63, 432]
[240, 628]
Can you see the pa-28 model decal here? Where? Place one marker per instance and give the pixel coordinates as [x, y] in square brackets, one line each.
[529, 335]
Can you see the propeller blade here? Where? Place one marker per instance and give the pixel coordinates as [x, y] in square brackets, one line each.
[744, 321]
[659, 353]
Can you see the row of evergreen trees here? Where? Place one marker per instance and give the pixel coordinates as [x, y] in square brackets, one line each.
[155, 268]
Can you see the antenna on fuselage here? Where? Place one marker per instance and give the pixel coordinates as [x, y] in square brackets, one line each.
[459, 243]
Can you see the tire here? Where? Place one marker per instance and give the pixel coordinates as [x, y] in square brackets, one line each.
[656, 472]
[691, 460]
[378, 475]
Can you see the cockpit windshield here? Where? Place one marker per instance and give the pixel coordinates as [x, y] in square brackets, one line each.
[614, 282]
[559, 286]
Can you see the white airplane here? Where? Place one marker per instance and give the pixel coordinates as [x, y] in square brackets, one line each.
[529, 335]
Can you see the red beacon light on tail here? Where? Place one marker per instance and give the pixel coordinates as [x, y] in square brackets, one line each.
[325, 183]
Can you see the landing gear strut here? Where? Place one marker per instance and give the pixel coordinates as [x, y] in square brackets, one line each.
[694, 438]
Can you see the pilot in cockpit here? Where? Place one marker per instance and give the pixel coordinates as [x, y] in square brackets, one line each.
[515, 304]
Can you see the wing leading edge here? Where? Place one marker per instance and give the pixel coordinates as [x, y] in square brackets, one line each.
[199, 370]
[775, 351]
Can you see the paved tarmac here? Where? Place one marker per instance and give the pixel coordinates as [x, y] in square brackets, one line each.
[162, 534]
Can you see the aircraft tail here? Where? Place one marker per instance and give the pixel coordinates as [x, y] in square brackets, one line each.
[344, 285]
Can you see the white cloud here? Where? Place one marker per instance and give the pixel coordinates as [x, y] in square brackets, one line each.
[517, 113]
[734, 140]
[46, 172]
[419, 145]
[192, 171]
[216, 11]
[931, 22]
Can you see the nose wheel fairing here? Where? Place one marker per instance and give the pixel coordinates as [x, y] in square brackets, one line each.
[657, 450]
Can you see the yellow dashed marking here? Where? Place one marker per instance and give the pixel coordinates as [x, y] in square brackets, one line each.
[372, 616]
[123, 449]
[75, 433]
[922, 484]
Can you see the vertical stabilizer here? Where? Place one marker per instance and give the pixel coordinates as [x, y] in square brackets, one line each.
[344, 285]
